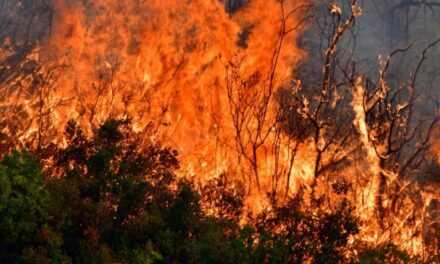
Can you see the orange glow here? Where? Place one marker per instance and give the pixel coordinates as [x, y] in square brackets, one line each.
[192, 76]
[165, 65]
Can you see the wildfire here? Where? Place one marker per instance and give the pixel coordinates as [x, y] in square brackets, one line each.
[166, 61]
[191, 75]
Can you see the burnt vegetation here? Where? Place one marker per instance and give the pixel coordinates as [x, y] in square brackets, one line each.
[108, 194]
[107, 199]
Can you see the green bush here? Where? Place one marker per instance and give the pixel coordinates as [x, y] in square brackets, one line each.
[109, 198]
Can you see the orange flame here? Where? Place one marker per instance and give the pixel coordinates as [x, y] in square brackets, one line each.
[164, 64]
[192, 75]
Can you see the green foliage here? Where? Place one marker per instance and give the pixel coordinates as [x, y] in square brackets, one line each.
[114, 192]
[288, 234]
[109, 198]
[26, 235]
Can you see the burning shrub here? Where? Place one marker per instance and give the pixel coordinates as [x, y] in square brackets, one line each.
[109, 198]
[225, 89]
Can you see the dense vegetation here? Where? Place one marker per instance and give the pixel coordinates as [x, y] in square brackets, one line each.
[111, 199]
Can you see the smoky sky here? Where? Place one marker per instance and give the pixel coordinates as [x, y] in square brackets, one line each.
[383, 27]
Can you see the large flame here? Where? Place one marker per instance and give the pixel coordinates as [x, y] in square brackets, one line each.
[164, 64]
[194, 76]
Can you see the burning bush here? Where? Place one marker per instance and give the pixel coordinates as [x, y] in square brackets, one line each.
[108, 198]
[289, 148]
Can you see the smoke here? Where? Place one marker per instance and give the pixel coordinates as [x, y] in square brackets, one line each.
[25, 21]
[204, 76]
[384, 27]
